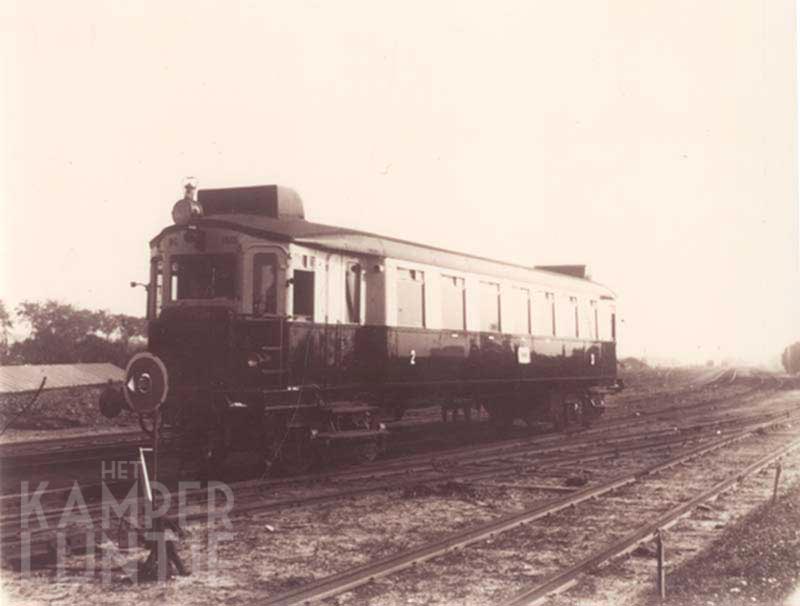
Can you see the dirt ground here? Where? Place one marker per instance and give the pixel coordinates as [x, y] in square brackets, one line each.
[264, 554]
[57, 413]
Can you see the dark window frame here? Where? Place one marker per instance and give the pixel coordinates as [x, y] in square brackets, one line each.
[304, 285]
[215, 283]
[155, 289]
[264, 307]
[353, 288]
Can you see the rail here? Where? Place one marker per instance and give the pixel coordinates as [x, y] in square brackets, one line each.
[565, 579]
[350, 579]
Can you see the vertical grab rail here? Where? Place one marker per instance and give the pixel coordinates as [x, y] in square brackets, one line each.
[147, 488]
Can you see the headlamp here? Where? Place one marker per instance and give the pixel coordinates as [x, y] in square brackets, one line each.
[187, 207]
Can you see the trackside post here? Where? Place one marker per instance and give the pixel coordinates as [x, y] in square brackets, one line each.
[661, 578]
[778, 470]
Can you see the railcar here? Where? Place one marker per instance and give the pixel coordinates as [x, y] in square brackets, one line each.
[277, 334]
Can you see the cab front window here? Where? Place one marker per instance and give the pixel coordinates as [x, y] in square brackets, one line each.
[203, 277]
[155, 290]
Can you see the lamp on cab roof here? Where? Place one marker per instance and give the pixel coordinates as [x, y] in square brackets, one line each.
[187, 208]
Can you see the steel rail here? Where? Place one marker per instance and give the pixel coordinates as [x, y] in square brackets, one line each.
[516, 456]
[10, 525]
[536, 445]
[558, 451]
[349, 579]
[514, 447]
[40, 542]
[564, 580]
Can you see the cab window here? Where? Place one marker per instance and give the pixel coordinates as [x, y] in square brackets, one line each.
[352, 290]
[203, 277]
[265, 283]
[155, 293]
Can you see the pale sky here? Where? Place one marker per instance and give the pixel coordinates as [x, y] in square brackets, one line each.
[654, 141]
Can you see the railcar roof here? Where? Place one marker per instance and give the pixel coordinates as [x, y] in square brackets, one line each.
[328, 237]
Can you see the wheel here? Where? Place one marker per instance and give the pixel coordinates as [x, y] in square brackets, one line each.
[531, 417]
[297, 454]
[368, 452]
[574, 413]
[502, 417]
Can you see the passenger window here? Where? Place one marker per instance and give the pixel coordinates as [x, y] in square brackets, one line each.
[595, 320]
[352, 289]
[303, 297]
[410, 297]
[519, 311]
[541, 320]
[551, 299]
[490, 306]
[265, 283]
[453, 303]
[607, 319]
[573, 301]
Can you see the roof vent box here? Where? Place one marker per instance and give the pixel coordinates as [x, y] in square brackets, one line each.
[273, 201]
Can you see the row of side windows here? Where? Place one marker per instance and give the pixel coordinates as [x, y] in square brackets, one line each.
[524, 313]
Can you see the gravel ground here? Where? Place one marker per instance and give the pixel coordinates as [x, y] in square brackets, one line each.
[755, 561]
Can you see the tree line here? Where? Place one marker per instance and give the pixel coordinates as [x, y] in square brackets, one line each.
[791, 358]
[62, 334]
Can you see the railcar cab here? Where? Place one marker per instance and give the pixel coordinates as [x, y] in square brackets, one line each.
[228, 276]
[214, 257]
[207, 262]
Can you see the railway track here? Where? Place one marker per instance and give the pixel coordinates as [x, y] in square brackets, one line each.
[617, 495]
[704, 419]
[19, 461]
[489, 462]
[562, 580]
[474, 463]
